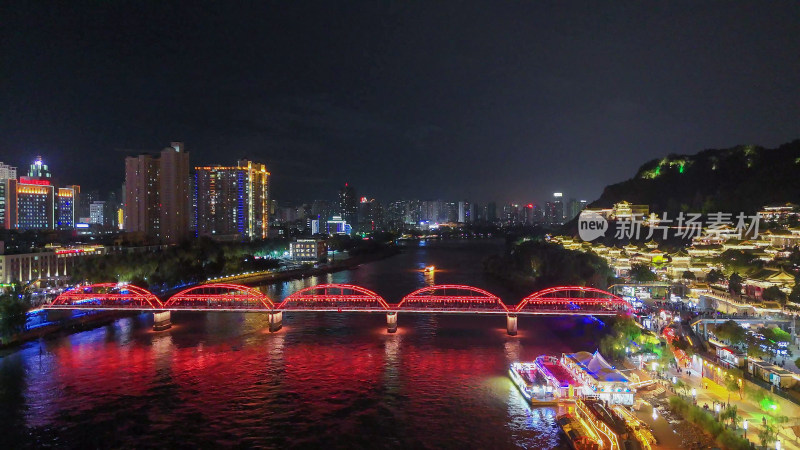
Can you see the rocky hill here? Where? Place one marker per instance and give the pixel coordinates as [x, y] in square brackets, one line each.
[742, 178]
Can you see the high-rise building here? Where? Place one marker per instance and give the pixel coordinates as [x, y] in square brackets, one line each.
[32, 205]
[348, 204]
[157, 194]
[574, 207]
[527, 214]
[174, 191]
[65, 208]
[232, 202]
[491, 212]
[554, 213]
[99, 213]
[370, 214]
[451, 212]
[465, 212]
[141, 195]
[5, 220]
[39, 170]
[7, 172]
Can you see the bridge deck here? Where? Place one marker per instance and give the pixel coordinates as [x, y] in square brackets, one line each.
[542, 312]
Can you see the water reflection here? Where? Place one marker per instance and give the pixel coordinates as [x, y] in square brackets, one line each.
[325, 380]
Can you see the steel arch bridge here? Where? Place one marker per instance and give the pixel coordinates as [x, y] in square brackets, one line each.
[106, 296]
[452, 298]
[572, 300]
[449, 298]
[334, 297]
[220, 297]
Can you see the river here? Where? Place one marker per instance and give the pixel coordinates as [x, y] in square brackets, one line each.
[331, 380]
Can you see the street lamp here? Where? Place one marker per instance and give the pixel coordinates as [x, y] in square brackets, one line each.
[744, 425]
[674, 380]
[694, 392]
[777, 445]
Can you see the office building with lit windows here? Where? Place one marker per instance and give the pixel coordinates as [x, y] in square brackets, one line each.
[232, 203]
[65, 212]
[6, 173]
[31, 205]
[310, 250]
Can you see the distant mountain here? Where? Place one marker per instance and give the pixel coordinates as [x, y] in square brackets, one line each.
[742, 178]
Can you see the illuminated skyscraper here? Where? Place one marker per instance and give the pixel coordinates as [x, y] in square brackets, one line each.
[39, 170]
[232, 202]
[65, 208]
[6, 173]
[32, 205]
[348, 204]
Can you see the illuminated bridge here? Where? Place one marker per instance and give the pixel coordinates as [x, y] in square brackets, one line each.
[438, 299]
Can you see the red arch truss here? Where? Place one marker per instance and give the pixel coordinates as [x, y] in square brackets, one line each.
[220, 296]
[575, 299]
[334, 297]
[452, 298]
[107, 295]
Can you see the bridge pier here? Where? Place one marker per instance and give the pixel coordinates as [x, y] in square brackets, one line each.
[511, 324]
[162, 320]
[391, 322]
[275, 321]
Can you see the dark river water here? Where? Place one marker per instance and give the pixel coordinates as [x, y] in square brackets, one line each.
[326, 380]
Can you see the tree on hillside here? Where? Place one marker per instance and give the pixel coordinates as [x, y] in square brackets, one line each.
[794, 297]
[735, 283]
[642, 273]
[774, 294]
[688, 275]
[715, 276]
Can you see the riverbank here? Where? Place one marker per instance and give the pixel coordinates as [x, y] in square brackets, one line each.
[62, 326]
[336, 266]
[69, 325]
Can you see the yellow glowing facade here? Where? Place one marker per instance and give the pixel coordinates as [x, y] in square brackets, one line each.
[232, 202]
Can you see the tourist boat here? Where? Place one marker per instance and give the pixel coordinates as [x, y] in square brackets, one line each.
[531, 384]
[614, 427]
[557, 376]
[576, 434]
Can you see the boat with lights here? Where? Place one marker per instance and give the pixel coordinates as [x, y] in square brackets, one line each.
[544, 381]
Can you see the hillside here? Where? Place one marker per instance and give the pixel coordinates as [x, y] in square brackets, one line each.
[742, 178]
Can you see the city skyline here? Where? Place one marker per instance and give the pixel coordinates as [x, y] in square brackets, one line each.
[442, 101]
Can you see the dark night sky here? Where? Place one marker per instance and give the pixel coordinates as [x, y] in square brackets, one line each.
[451, 100]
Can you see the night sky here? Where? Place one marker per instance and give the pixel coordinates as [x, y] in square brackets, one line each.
[431, 99]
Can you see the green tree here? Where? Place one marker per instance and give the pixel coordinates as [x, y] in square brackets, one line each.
[642, 273]
[794, 297]
[731, 413]
[735, 283]
[732, 386]
[682, 387]
[774, 294]
[767, 434]
[731, 332]
[14, 305]
[715, 276]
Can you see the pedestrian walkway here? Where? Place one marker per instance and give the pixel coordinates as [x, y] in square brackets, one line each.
[748, 410]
